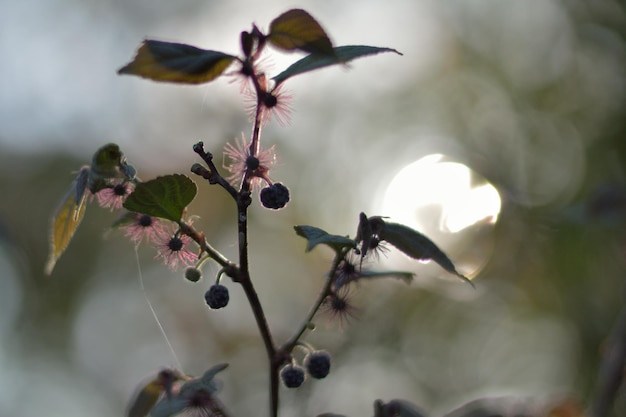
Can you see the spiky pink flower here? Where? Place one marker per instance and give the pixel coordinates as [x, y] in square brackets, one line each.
[339, 307]
[114, 196]
[174, 250]
[139, 226]
[242, 161]
[272, 101]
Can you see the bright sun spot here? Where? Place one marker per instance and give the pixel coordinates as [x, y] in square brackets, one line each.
[449, 203]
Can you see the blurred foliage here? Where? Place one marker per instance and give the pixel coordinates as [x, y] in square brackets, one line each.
[529, 94]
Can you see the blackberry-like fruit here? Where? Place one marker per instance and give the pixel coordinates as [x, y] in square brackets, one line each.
[317, 364]
[217, 296]
[292, 376]
[275, 197]
[193, 274]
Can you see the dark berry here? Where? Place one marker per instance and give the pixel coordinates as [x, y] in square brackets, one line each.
[145, 220]
[317, 364]
[292, 376]
[252, 162]
[275, 197]
[175, 244]
[120, 190]
[193, 274]
[217, 296]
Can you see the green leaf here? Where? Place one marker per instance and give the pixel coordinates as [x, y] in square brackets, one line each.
[297, 29]
[414, 244]
[342, 55]
[67, 218]
[403, 275]
[177, 63]
[165, 197]
[316, 236]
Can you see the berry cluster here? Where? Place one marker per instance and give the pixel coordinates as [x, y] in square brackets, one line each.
[316, 365]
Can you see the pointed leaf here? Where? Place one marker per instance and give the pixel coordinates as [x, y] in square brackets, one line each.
[316, 236]
[177, 63]
[416, 245]
[296, 29]
[165, 197]
[66, 218]
[342, 55]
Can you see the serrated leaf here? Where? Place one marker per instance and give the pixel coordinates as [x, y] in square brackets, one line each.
[415, 245]
[316, 236]
[165, 197]
[297, 29]
[67, 218]
[177, 63]
[342, 55]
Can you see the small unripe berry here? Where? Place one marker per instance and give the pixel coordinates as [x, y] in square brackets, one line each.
[317, 364]
[193, 274]
[217, 296]
[292, 376]
[275, 197]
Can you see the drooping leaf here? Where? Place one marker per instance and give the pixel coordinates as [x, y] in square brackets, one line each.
[342, 55]
[165, 197]
[297, 29]
[177, 63]
[108, 163]
[149, 392]
[415, 245]
[67, 218]
[316, 236]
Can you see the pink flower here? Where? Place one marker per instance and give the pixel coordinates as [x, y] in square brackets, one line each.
[275, 101]
[174, 249]
[141, 226]
[241, 161]
[114, 197]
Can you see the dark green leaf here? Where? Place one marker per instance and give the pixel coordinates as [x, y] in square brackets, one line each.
[296, 29]
[165, 197]
[416, 245]
[317, 236]
[342, 55]
[403, 275]
[177, 63]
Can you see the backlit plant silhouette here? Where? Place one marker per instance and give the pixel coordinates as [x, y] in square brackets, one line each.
[154, 212]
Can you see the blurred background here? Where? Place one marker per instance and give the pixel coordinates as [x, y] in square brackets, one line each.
[499, 134]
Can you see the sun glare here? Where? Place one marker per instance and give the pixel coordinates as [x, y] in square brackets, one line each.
[448, 202]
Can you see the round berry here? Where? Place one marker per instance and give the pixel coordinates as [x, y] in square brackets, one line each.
[217, 296]
[292, 376]
[193, 274]
[275, 197]
[317, 364]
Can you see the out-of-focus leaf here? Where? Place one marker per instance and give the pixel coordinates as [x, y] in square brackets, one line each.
[342, 54]
[165, 197]
[67, 218]
[108, 163]
[316, 236]
[149, 392]
[403, 275]
[414, 244]
[177, 63]
[397, 408]
[297, 29]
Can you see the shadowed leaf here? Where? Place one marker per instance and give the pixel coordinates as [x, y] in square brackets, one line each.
[317, 236]
[403, 275]
[66, 218]
[414, 244]
[296, 29]
[342, 55]
[165, 197]
[177, 63]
